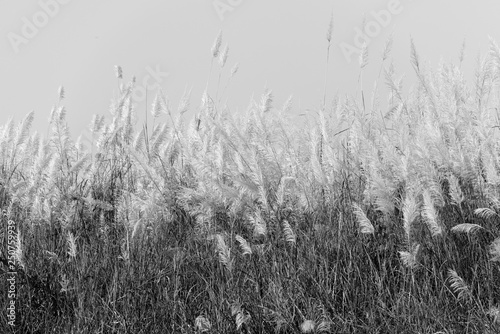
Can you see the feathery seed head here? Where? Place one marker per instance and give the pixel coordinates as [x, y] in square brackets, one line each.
[290, 236]
[430, 214]
[241, 316]
[202, 324]
[410, 213]
[329, 32]
[410, 258]
[462, 52]
[307, 326]
[61, 93]
[388, 47]
[414, 56]
[205, 99]
[363, 56]
[287, 106]
[53, 114]
[18, 251]
[485, 213]
[494, 51]
[184, 102]
[458, 285]
[71, 245]
[457, 197]
[266, 101]
[216, 46]
[245, 247]
[259, 225]
[97, 123]
[365, 225]
[224, 252]
[118, 72]
[466, 228]
[223, 56]
[157, 106]
[234, 69]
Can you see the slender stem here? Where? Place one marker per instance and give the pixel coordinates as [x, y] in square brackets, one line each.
[326, 73]
[209, 74]
[218, 85]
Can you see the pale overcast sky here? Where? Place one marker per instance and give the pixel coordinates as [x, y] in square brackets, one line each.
[280, 44]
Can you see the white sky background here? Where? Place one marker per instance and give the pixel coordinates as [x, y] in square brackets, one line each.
[280, 44]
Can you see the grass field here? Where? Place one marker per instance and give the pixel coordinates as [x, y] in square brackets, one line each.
[371, 220]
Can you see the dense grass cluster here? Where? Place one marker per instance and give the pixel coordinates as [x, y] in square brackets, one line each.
[369, 221]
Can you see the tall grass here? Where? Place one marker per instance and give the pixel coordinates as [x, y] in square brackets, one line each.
[374, 221]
